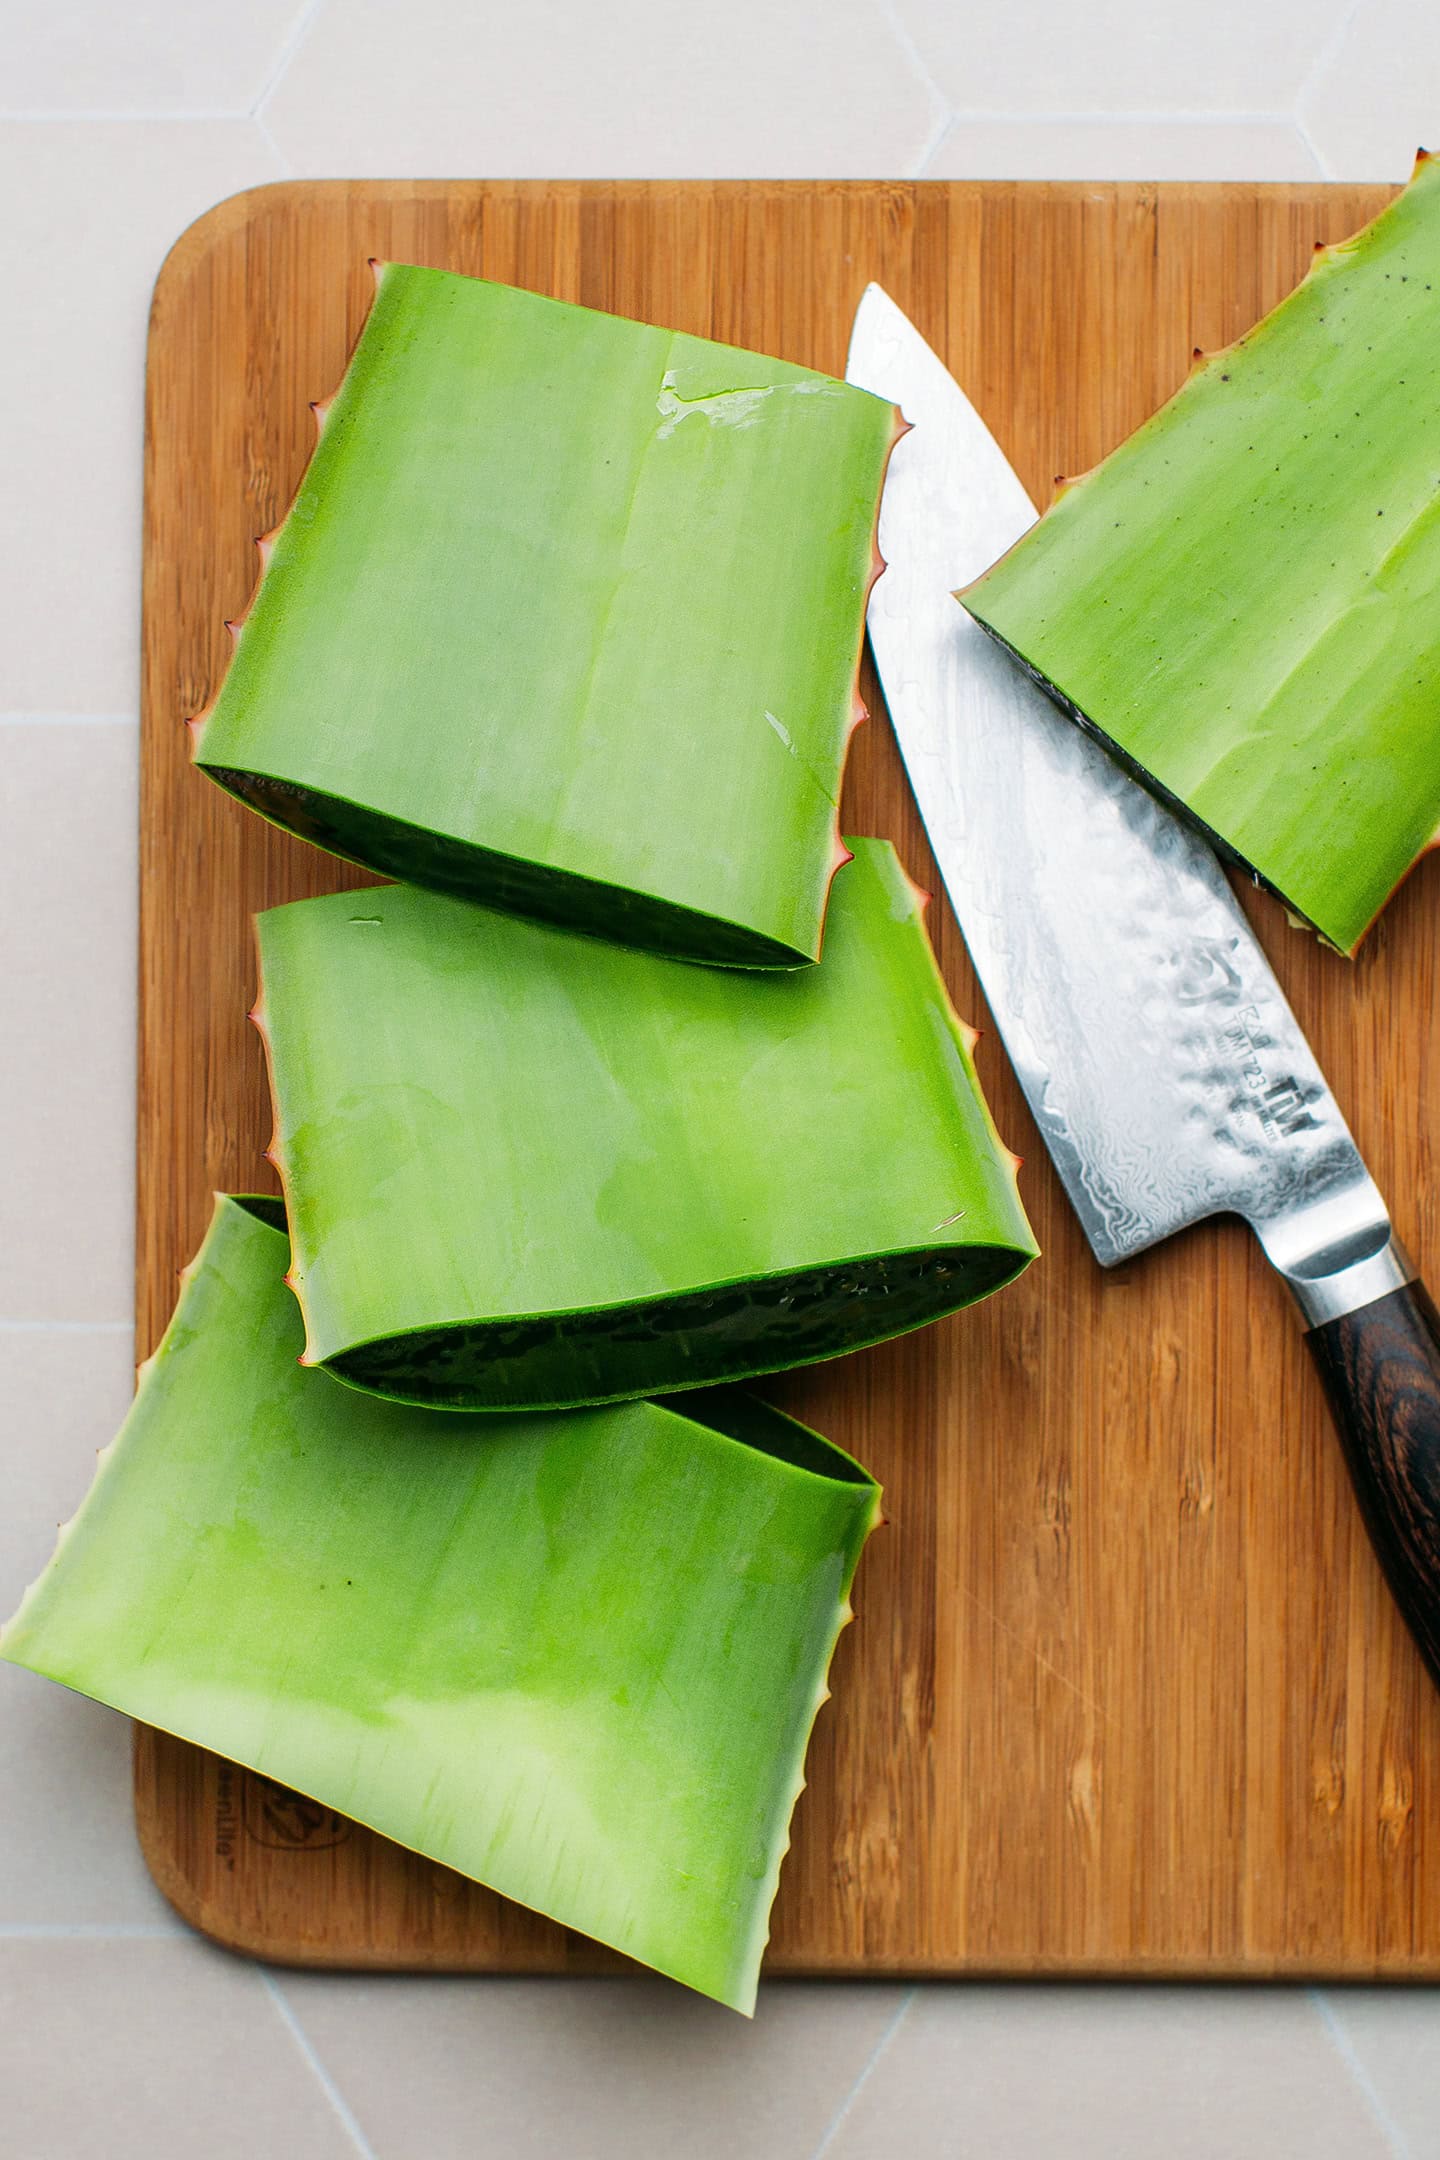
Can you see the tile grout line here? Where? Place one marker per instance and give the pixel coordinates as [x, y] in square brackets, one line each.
[286, 2013]
[1322, 169]
[920, 69]
[299, 30]
[1345, 2048]
[262, 128]
[1329, 52]
[930, 147]
[867, 2070]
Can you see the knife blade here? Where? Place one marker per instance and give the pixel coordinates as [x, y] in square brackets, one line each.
[1166, 1072]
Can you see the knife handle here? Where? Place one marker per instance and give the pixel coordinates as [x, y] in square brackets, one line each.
[1381, 1369]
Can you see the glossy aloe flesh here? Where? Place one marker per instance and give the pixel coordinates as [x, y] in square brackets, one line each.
[525, 1169]
[565, 618]
[1244, 599]
[575, 1657]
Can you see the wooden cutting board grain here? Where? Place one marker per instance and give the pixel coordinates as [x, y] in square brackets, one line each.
[1125, 1693]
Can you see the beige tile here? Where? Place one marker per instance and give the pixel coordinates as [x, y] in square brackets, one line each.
[68, 1854]
[89, 213]
[1113, 2073]
[156, 56]
[611, 2069]
[811, 87]
[65, 1391]
[1121, 150]
[152, 2051]
[1032, 58]
[67, 960]
[1391, 2037]
[1375, 99]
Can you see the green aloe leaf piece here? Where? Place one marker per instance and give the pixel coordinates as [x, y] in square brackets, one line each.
[566, 618]
[525, 1169]
[1243, 599]
[576, 1657]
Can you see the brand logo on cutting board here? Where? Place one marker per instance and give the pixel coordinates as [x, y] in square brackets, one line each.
[270, 1814]
[274, 1815]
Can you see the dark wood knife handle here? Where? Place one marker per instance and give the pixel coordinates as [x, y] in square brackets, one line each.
[1381, 1369]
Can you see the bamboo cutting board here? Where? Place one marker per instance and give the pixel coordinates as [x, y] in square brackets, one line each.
[1126, 1694]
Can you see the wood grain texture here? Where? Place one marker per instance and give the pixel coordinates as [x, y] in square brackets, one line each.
[1381, 1369]
[1127, 1692]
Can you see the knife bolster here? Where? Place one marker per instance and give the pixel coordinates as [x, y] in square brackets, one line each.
[1343, 1290]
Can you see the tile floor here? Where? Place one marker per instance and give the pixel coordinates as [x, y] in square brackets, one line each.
[117, 127]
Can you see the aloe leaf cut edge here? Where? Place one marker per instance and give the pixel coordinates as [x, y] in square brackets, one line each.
[576, 1658]
[1241, 599]
[566, 618]
[524, 1169]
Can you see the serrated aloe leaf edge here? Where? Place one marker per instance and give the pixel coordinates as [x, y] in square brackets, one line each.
[574, 1657]
[524, 1168]
[566, 618]
[1242, 598]
[577, 1653]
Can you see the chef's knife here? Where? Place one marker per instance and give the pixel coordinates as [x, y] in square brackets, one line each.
[1165, 1070]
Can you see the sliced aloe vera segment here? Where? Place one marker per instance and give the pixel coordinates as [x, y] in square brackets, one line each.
[1243, 599]
[566, 618]
[526, 1169]
[576, 1657]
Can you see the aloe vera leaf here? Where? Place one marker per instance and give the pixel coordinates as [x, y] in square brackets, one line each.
[576, 1657]
[566, 618]
[1243, 598]
[525, 1169]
